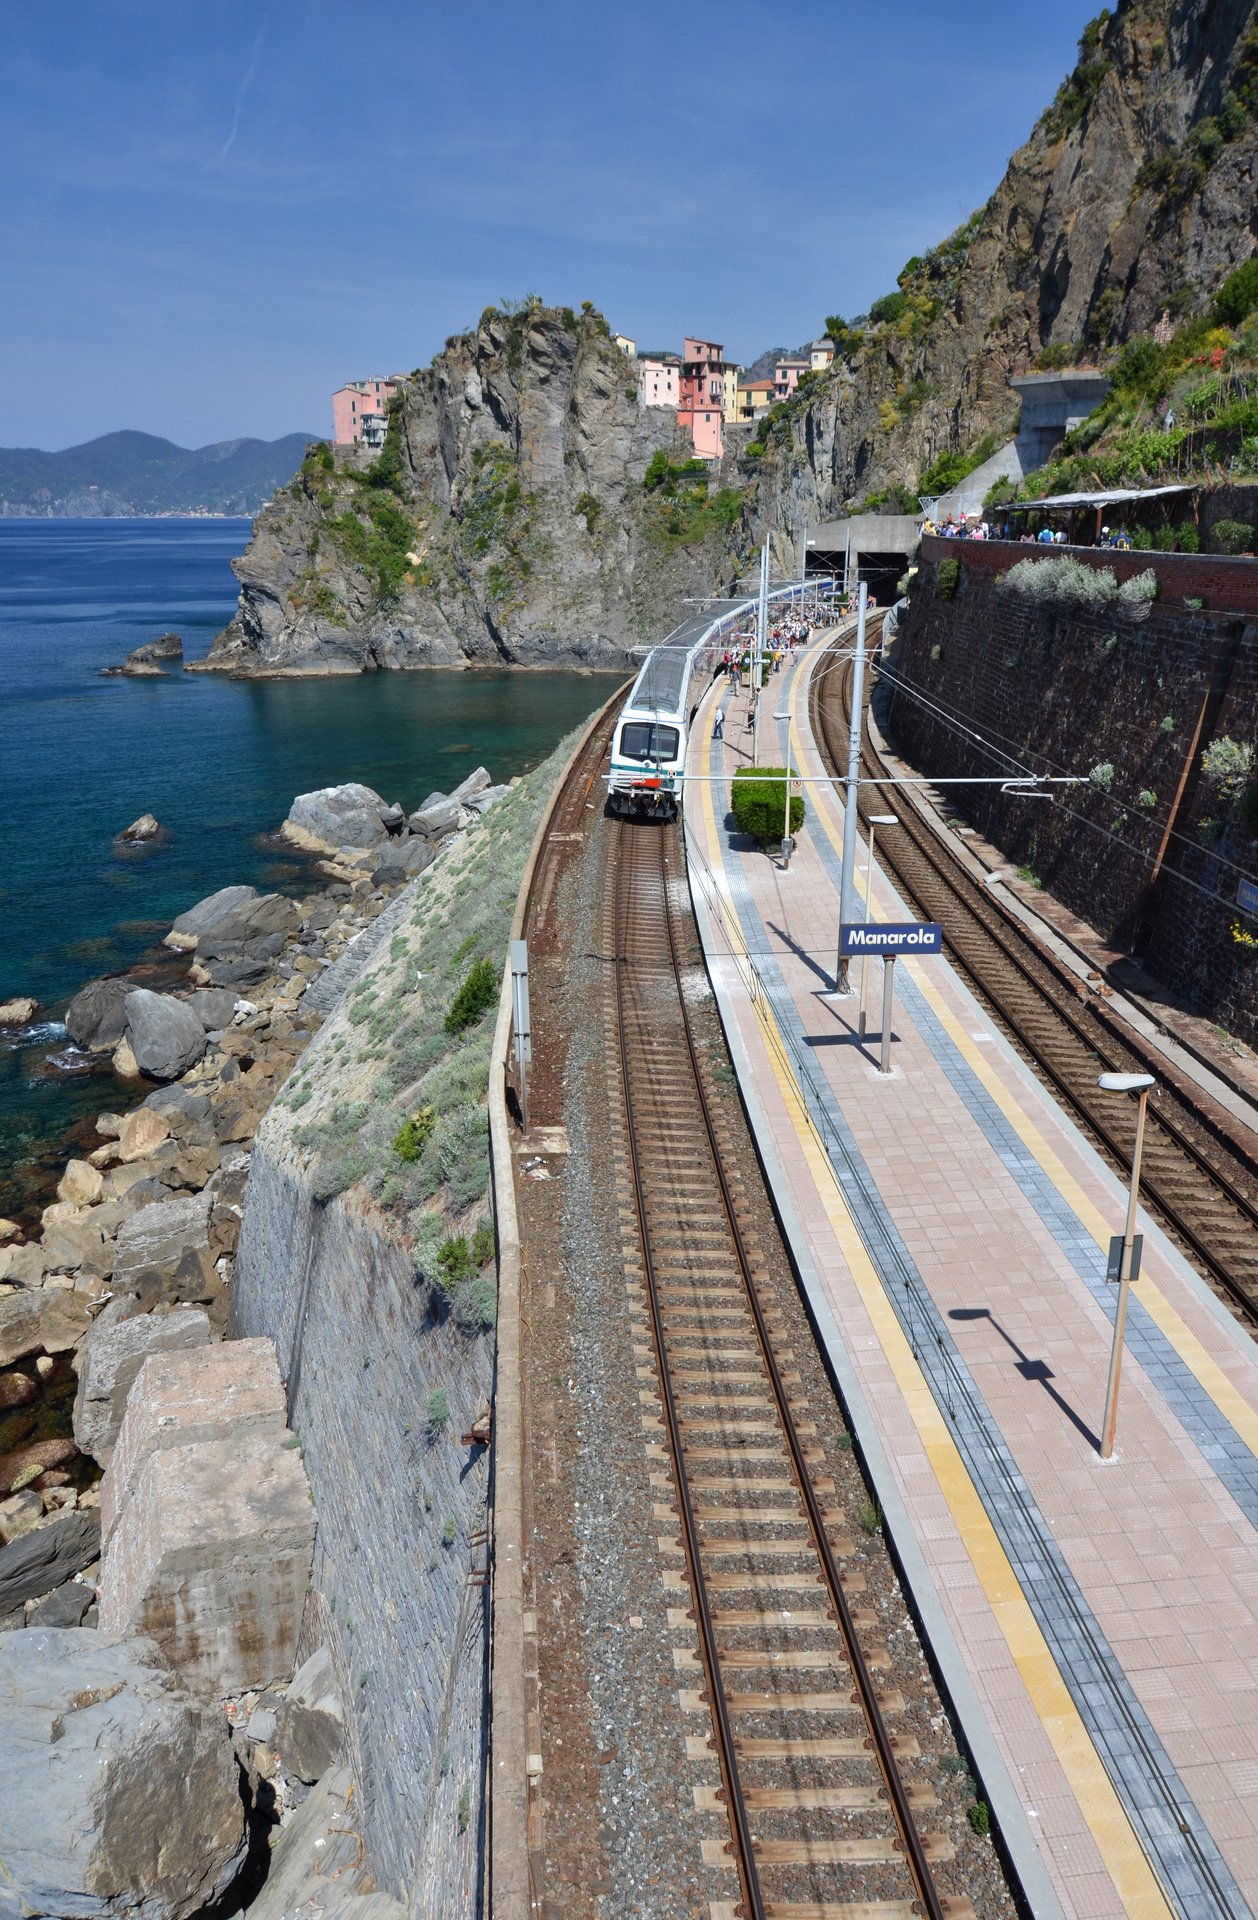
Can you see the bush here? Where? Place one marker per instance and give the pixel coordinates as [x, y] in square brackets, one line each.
[478, 993]
[1065, 579]
[1164, 540]
[1139, 590]
[890, 308]
[758, 803]
[437, 1410]
[1102, 775]
[1142, 540]
[483, 1244]
[1232, 536]
[1228, 764]
[589, 506]
[1238, 296]
[1187, 539]
[476, 1304]
[413, 1135]
[947, 579]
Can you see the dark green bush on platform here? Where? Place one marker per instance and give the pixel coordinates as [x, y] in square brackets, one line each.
[947, 579]
[758, 803]
[1231, 536]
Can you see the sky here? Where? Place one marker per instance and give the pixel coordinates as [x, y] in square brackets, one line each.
[215, 215]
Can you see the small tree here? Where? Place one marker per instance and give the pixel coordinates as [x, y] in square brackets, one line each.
[1238, 296]
[759, 803]
[477, 994]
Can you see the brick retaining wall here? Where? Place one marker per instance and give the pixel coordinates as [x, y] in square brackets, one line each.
[1220, 581]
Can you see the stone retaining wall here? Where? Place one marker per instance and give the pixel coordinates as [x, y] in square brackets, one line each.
[1152, 859]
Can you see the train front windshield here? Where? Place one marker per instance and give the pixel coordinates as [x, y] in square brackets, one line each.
[644, 740]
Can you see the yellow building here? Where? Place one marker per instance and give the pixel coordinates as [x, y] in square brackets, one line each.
[731, 414]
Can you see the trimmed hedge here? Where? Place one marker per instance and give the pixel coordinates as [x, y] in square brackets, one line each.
[756, 799]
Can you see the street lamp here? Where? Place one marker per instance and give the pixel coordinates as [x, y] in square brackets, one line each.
[784, 713]
[875, 820]
[1139, 1083]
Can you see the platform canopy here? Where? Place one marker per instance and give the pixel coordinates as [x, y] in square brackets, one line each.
[1112, 497]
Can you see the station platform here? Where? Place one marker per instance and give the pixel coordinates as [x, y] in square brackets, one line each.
[1095, 1622]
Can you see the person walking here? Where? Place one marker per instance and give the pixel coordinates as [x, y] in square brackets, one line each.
[718, 724]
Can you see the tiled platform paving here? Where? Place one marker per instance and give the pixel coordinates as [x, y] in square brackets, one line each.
[1096, 1622]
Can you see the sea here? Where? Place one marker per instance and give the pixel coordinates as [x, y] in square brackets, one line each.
[218, 761]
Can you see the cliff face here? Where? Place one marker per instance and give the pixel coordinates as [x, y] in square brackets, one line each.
[505, 521]
[1134, 194]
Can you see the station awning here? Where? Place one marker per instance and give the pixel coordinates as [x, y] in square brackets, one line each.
[1112, 497]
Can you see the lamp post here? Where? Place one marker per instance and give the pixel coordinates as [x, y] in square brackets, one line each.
[784, 713]
[1138, 1083]
[875, 820]
[850, 821]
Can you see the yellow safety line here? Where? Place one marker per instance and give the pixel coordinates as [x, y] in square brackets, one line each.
[1133, 1875]
[1205, 1369]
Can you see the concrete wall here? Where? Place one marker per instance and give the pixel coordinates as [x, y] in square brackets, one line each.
[361, 1344]
[1067, 690]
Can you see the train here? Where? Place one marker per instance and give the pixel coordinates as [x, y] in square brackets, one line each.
[649, 745]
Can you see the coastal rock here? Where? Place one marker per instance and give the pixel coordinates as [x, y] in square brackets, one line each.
[143, 1131]
[402, 860]
[332, 817]
[40, 1560]
[313, 1861]
[147, 827]
[237, 973]
[124, 1060]
[208, 916]
[121, 1799]
[78, 1245]
[109, 1360]
[65, 1607]
[487, 797]
[40, 1321]
[24, 1266]
[310, 1730]
[80, 1184]
[165, 1035]
[393, 818]
[16, 1390]
[152, 658]
[96, 1018]
[32, 1464]
[166, 1248]
[215, 1007]
[437, 817]
[20, 1513]
[16, 1013]
[475, 783]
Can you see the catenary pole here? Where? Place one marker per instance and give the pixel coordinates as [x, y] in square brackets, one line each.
[847, 882]
[762, 633]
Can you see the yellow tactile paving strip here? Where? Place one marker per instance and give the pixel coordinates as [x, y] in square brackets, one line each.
[1135, 1882]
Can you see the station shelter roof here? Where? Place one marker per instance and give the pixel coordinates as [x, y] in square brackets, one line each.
[1111, 497]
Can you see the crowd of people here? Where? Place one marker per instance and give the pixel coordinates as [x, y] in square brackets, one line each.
[972, 527]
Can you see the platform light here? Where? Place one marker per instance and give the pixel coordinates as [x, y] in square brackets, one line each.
[1128, 1249]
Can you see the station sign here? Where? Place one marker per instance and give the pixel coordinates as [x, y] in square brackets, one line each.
[1114, 1265]
[891, 939]
[1247, 895]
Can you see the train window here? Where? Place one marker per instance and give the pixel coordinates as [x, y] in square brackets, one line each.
[643, 740]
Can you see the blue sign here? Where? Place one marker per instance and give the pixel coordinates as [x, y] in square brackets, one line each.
[891, 939]
[1247, 895]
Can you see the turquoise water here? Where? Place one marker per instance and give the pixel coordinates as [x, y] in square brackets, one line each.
[217, 761]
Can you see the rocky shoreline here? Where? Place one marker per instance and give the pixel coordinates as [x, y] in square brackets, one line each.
[136, 1253]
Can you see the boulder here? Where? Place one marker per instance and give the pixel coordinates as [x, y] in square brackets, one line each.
[142, 1133]
[16, 1390]
[30, 1464]
[475, 783]
[80, 1184]
[393, 818]
[16, 1013]
[24, 1266]
[165, 1035]
[208, 915]
[109, 1360]
[402, 860]
[43, 1559]
[332, 817]
[46, 1321]
[124, 1061]
[147, 827]
[66, 1607]
[186, 1110]
[436, 818]
[121, 1796]
[109, 1125]
[489, 797]
[20, 1513]
[215, 1007]
[238, 973]
[78, 1245]
[315, 1868]
[96, 1018]
[166, 1248]
[310, 1729]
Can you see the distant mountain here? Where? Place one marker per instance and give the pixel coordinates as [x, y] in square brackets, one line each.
[137, 473]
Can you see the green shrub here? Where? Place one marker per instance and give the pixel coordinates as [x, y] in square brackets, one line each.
[414, 1134]
[1164, 540]
[889, 308]
[1139, 590]
[483, 1244]
[453, 1260]
[476, 1304]
[758, 803]
[1238, 296]
[1187, 539]
[449, 1534]
[478, 993]
[1228, 764]
[589, 507]
[980, 1817]
[754, 450]
[1142, 540]
[1102, 775]
[1232, 536]
[437, 1410]
[947, 579]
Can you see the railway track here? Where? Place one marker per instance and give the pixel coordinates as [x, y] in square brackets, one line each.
[1202, 1183]
[824, 1819]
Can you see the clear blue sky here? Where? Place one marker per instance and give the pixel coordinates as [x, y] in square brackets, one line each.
[214, 214]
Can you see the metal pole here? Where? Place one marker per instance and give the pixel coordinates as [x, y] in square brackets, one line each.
[888, 997]
[869, 887]
[762, 628]
[1110, 1422]
[847, 890]
[786, 811]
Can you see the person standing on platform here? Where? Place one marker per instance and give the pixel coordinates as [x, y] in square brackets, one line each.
[718, 724]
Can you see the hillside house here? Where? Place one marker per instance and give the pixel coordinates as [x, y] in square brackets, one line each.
[702, 405]
[360, 411]
[786, 377]
[659, 380]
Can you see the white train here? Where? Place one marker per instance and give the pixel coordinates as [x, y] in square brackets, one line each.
[648, 758]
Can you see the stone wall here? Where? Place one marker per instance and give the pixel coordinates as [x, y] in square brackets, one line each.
[1223, 582]
[1152, 858]
[362, 1344]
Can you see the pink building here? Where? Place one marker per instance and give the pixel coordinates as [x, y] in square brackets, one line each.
[360, 411]
[702, 402]
[659, 381]
[786, 377]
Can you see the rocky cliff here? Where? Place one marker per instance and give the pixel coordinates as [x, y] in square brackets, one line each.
[505, 520]
[1133, 196]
